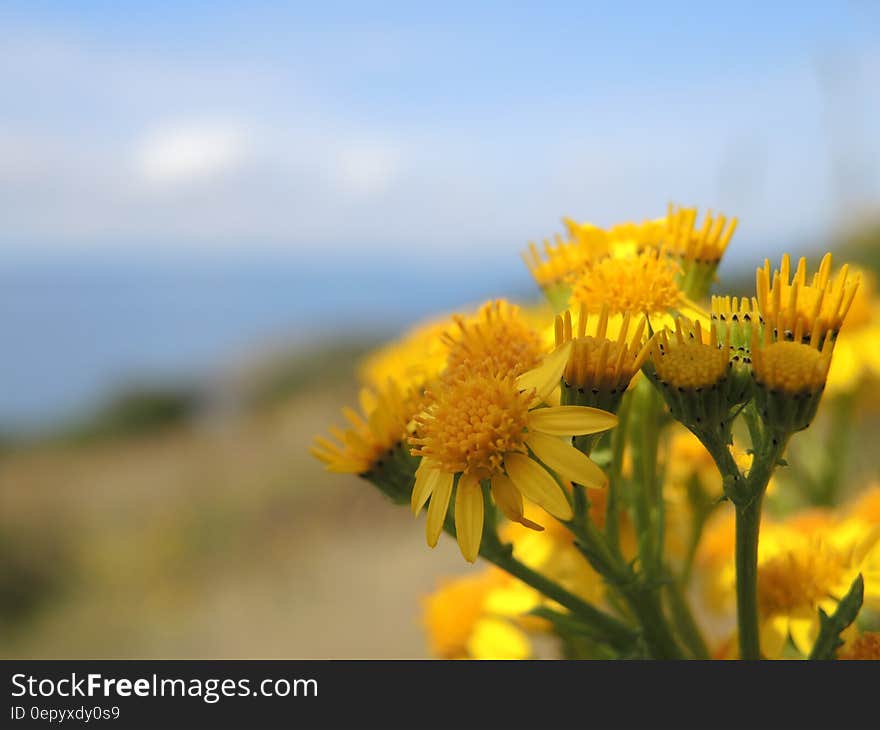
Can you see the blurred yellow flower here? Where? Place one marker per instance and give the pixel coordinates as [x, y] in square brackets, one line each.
[486, 615]
[805, 563]
[561, 258]
[643, 283]
[856, 354]
[460, 623]
[705, 244]
[383, 425]
[498, 340]
[797, 575]
[557, 264]
[411, 360]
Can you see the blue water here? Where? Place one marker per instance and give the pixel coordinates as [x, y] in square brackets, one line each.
[75, 329]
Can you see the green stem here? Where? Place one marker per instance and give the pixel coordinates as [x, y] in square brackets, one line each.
[645, 604]
[615, 474]
[747, 495]
[642, 599]
[616, 633]
[685, 622]
[702, 505]
[644, 428]
[748, 524]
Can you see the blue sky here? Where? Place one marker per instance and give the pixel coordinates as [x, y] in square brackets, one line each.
[345, 127]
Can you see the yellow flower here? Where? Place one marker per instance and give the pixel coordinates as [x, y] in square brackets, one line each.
[555, 266]
[482, 428]
[622, 239]
[692, 360]
[805, 563]
[496, 341]
[628, 238]
[788, 302]
[499, 337]
[461, 620]
[487, 615]
[797, 575]
[693, 369]
[601, 364]
[644, 283]
[699, 249]
[559, 260]
[856, 354]
[790, 375]
[372, 437]
[411, 360]
[552, 553]
[705, 245]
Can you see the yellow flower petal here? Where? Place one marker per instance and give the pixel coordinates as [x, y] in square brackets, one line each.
[438, 506]
[566, 460]
[494, 638]
[804, 628]
[469, 516]
[571, 420]
[533, 481]
[774, 632]
[512, 600]
[509, 501]
[544, 378]
[426, 479]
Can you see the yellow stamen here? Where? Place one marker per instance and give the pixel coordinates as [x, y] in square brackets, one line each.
[691, 360]
[471, 423]
[791, 367]
[640, 284]
[799, 578]
[497, 341]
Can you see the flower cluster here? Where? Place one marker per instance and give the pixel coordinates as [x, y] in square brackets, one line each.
[610, 454]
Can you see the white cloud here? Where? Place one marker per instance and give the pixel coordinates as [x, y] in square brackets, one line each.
[365, 168]
[191, 151]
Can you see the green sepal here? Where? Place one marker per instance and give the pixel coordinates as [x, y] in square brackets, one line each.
[395, 474]
[831, 627]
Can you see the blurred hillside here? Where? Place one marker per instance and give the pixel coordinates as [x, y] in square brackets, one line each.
[154, 531]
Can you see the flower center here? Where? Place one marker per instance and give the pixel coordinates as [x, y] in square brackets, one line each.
[644, 283]
[495, 342]
[472, 422]
[798, 579]
[790, 367]
[690, 364]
